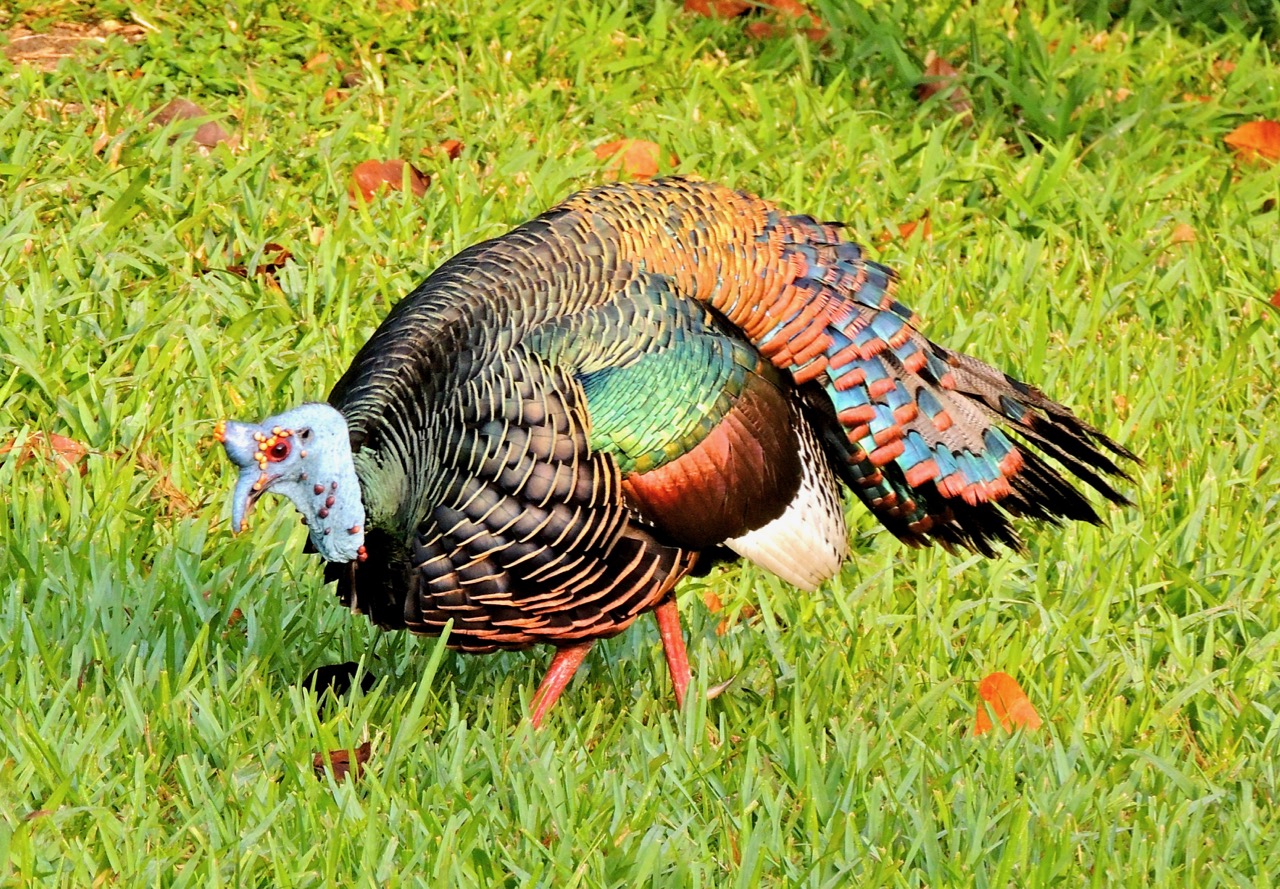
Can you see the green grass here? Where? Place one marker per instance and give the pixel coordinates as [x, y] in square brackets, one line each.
[147, 739]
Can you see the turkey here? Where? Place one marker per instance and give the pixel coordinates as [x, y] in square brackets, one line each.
[559, 424]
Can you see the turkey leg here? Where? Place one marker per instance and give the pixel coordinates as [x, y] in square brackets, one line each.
[673, 646]
[563, 666]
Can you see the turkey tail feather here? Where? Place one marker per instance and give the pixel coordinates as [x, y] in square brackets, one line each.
[933, 439]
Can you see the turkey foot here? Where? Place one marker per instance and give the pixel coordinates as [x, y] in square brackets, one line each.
[673, 646]
[563, 666]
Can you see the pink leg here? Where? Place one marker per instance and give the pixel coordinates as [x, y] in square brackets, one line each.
[673, 645]
[563, 666]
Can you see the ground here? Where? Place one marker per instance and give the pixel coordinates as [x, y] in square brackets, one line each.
[1079, 219]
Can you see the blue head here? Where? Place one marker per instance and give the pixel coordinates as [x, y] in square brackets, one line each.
[304, 454]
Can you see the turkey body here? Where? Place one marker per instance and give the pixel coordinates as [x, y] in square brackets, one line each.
[560, 423]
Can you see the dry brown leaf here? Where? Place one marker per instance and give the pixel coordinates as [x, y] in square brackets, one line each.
[319, 60]
[925, 227]
[67, 453]
[373, 177]
[788, 17]
[635, 157]
[1258, 138]
[800, 16]
[770, 30]
[907, 229]
[207, 135]
[178, 109]
[112, 146]
[792, 8]
[721, 9]
[1194, 97]
[712, 601]
[940, 76]
[341, 763]
[210, 133]
[785, 17]
[1182, 234]
[1223, 67]
[745, 613]
[175, 499]
[450, 148]
[1008, 703]
[765, 30]
[273, 260]
[45, 50]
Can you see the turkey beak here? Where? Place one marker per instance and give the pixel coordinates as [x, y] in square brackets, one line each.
[238, 441]
[249, 487]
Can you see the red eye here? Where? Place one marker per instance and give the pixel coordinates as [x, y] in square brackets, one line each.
[278, 451]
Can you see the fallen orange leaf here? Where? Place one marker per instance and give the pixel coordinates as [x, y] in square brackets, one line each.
[940, 76]
[712, 601]
[764, 30]
[790, 16]
[373, 177]
[450, 148]
[726, 624]
[635, 157]
[1008, 702]
[723, 9]
[319, 60]
[66, 452]
[341, 762]
[1275, 298]
[1183, 234]
[273, 260]
[1256, 138]
[907, 229]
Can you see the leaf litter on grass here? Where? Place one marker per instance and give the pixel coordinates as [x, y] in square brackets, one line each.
[1154, 637]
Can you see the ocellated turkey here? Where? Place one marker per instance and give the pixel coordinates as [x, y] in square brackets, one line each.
[559, 424]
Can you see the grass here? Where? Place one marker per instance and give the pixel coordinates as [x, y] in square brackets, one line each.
[151, 728]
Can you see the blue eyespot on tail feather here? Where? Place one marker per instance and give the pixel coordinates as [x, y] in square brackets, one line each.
[931, 440]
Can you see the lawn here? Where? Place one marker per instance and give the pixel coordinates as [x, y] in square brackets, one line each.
[1087, 227]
